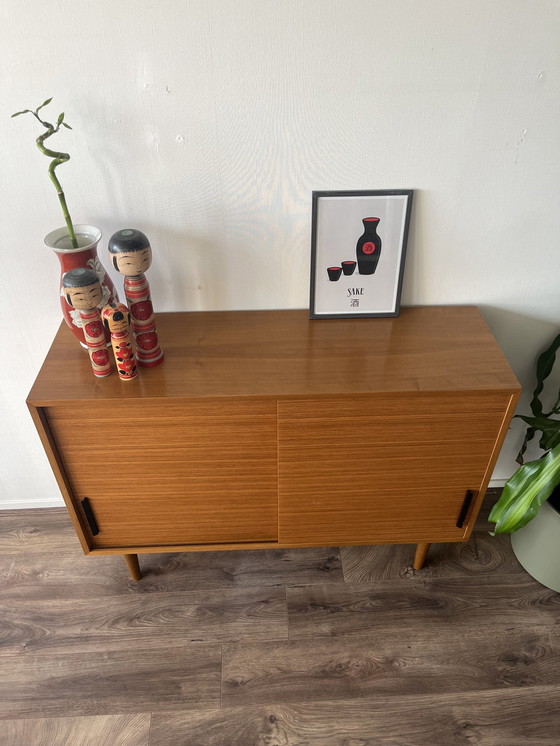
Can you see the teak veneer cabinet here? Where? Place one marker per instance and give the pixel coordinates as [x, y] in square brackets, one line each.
[268, 429]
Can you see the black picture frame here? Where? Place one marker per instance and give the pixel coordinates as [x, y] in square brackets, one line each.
[358, 251]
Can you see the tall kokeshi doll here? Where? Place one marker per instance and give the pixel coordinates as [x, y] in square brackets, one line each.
[83, 292]
[132, 256]
[115, 317]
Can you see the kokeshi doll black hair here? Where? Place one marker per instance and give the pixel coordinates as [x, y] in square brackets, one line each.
[131, 254]
[82, 290]
[116, 318]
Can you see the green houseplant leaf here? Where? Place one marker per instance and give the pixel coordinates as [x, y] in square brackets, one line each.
[535, 481]
[548, 426]
[525, 492]
[545, 364]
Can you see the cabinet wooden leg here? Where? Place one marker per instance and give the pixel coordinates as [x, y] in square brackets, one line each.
[133, 566]
[420, 556]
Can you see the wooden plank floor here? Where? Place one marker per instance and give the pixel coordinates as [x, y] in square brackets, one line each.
[311, 647]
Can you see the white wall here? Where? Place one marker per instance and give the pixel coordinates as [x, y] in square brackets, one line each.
[207, 124]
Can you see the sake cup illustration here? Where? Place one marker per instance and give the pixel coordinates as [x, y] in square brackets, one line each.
[348, 267]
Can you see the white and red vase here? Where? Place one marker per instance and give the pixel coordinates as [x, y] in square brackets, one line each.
[84, 256]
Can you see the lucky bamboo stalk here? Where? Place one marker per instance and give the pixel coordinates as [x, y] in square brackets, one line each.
[57, 157]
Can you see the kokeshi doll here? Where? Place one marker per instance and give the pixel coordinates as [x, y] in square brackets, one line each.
[83, 292]
[116, 318]
[132, 256]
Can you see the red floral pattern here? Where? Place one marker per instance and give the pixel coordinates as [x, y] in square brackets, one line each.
[94, 329]
[142, 310]
[100, 357]
[147, 341]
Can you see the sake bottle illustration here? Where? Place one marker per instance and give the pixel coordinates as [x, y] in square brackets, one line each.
[368, 248]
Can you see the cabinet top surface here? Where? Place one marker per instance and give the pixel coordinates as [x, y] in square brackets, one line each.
[286, 354]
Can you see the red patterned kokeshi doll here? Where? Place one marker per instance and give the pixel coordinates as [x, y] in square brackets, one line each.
[116, 319]
[132, 256]
[82, 291]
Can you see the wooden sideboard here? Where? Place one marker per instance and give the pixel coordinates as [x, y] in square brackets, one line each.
[267, 429]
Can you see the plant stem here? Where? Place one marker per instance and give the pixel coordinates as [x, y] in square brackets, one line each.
[58, 159]
[62, 200]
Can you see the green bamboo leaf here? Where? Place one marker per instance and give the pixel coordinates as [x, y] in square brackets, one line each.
[45, 103]
[25, 111]
[60, 118]
[66, 125]
[525, 492]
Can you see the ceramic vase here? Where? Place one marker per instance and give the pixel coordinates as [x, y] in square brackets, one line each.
[85, 255]
[537, 546]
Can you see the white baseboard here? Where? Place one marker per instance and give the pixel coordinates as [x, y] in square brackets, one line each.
[497, 482]
[53, 502]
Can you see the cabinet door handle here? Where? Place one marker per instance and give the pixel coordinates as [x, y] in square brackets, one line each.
[465, 508]
[88, 512]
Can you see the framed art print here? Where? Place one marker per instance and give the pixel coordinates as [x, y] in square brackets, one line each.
[358, 249]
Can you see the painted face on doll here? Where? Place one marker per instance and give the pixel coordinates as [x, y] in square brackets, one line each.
[115, 318]
[133, 263]
[84, 298]
[118, 322]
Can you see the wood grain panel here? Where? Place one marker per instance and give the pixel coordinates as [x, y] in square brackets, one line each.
[482, 554]
[76, 643]
[37, 530]
[149, 621]
[107, 683]
[285, 354]
[185, 456]
[345, 464]
[258, 568]
[351, 610]
[516, 717]
[71, 576]
[78, 518]
[201, 472]
[101, 730]
[400, 661]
